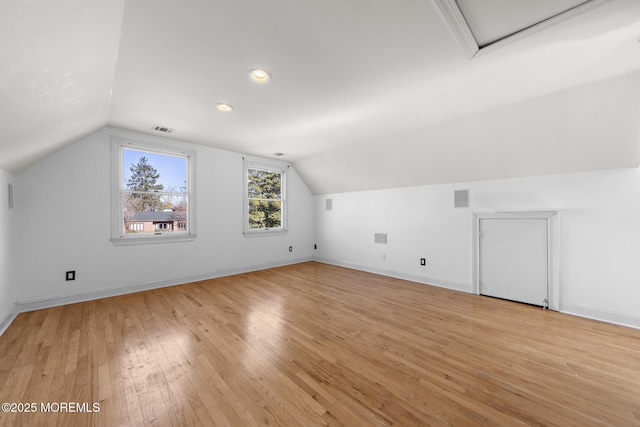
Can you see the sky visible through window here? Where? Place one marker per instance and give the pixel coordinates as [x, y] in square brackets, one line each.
[172, 170]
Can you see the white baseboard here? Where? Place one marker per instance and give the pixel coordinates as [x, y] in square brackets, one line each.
[7, 318]
[462, 287]
[621, 319]
[616, 318]
[23, 306]
[38, 304]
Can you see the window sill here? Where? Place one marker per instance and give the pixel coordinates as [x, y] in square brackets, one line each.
[265, 233]
[127, 241]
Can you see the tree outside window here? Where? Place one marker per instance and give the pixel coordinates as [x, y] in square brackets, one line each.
[265, 199]
[152, 190]
[143, 184]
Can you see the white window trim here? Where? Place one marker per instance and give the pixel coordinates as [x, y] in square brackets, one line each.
[118, 238]
[250, 163]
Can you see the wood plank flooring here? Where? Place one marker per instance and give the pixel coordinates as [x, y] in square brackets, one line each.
[313, 344]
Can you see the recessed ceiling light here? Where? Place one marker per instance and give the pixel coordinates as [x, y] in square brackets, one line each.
[260, 76]
[224, 107]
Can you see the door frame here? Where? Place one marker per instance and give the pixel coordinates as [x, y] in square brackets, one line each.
[553, 262]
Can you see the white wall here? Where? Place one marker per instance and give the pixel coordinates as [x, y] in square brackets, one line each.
[63, 215]
[7, 298]
[599, 233]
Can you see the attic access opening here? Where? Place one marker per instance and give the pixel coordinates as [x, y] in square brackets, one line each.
[483, 26]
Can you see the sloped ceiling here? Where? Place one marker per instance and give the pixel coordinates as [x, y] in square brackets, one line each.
[358, 86]
[57, 60]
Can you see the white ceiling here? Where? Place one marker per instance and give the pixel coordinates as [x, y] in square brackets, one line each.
[346, 76]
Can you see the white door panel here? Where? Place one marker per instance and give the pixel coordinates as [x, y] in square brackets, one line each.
[513, 259]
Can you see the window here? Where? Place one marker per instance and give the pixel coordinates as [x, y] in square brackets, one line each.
[152, 192]
[136, 226]
[265, 201]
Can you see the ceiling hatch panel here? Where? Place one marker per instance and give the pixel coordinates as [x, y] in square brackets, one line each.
[481, 26]
[493, 20]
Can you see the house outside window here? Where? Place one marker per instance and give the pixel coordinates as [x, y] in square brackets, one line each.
[152, 193]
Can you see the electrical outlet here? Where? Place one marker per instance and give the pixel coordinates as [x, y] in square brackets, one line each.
[290, 248]
[423, 261]
[71, 275]
[315, 246]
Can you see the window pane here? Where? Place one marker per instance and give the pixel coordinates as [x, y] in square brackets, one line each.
[147, 171]
[265, 214]
[142, 215]
[264, 184]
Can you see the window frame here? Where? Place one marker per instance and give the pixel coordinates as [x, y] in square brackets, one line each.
[273, 167]
[118, 236]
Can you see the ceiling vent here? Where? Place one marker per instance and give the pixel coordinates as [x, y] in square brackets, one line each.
[164, 129]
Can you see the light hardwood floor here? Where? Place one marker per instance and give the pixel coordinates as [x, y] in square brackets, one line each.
[313, 344]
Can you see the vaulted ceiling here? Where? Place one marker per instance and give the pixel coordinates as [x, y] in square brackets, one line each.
[364, 94]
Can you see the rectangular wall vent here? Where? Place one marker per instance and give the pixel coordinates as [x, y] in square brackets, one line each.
[162, 129]
[10, 194]
[461, 199]
[380, 238]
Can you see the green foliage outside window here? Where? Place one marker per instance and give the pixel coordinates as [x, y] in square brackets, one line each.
[265, 199]
[143, 178]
